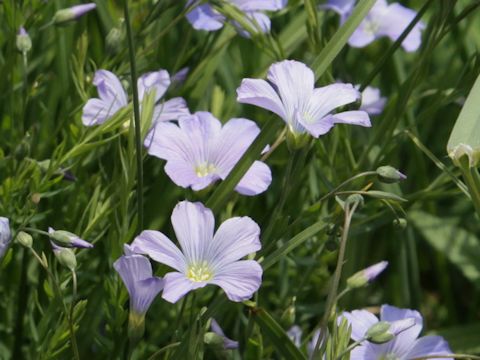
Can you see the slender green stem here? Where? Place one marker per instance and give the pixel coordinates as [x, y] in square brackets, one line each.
[163, 349]
[343, 293]
[136, 116]
[71, 319]
[350, 348]
[35, 231]
[473, 184]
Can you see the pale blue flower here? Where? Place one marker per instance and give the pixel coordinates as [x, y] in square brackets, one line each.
[5, 235]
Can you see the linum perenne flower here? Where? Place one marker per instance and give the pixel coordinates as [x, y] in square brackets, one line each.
[200, 151]
[112, 97]
[72, 13]
[68, 239]
[291, 94]
[205, 17]
[405, 344]
[5, 235]
[136, 273]
[205, 258]
[382, 20]
[367, 275]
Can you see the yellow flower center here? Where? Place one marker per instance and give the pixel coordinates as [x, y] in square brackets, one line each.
[199, 272]
[205, 169]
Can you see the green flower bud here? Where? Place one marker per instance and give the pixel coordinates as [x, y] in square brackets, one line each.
[64, 16]
[115, 39]
[66, 257]
[379, 333]
[389, 174]
[214, 340]
[400, 223]
[25, 239]
[24, 43]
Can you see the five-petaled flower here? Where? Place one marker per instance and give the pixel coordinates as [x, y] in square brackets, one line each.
[113, 97]
[382, 20]
[405, 345]
[291, 94]
[204, 257]
[200, 151]
[136, 273]
[205, 17]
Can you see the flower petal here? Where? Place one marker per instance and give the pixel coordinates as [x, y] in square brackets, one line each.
[156, 80]
[172, 109]
[159, 248]
[353, 118]
[259, 22]
[360, 321]
[256, 180]
[146, 291]
[177, 285]
[234, 239]
[240, 280]
[372, 101]
[5, 235]
[96, 112]
[257, 5]
[428, 346]
[194, 225]
[204, 17]
[260, 93]
[341, 7]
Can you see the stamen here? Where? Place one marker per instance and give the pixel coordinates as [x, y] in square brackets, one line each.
[199, 272]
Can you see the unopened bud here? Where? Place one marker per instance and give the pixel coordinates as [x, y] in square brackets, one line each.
[24, 43]
[64, 16]
[25, 239]
[214, 340]
[389, 174]
[66, 238]
[115, 39]
[401, 223]
[366, 276]
[65, 256]
[384, 331]
[355, 199]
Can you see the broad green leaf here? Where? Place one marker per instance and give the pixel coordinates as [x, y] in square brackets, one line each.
[458, 245]
[276, 335]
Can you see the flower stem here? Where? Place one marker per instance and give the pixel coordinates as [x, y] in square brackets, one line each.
[350, 348]
[136, 116]
[70, 318]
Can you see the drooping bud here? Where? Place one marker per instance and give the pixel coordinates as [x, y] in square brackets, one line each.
[64, 16]
[366, 276]
[384, 331]
[66, 238]
[389, 174]
[472, 157]
[400, 223]
[25, 239]
[65, 256]
[355, 199]
[24, 43]
[5, 235]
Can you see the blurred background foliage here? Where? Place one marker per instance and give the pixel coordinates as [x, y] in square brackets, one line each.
[434, 259]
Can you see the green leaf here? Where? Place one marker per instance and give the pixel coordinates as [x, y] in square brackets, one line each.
[277, 336]
[340, 38]
[457, 244]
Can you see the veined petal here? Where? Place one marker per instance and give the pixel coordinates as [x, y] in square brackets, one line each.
[257, 20]
[146, 291]
[404, 341]
[156, 80]
[394, 22]
[257, 5]
[428, 346]
[204, 17]
[356, 117]
[256, 180]
[172, 109]
[231, 143]
[240, 279]
[360, 321]
[294, 82]
[194, 225]
[234, 239]
[177, 285]
[361, 37]
[159, 248]
[372, 101]
[96, 112]
[260, 93]
[110, 88]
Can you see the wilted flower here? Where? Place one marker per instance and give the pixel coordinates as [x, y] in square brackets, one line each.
[405, 345]
[136, 273]
[65, 256]
[227, 344]
[72, 13]
[205, 17]
[112, 97]
[367, 275]
[291, 94]
[23, 41]
[382, 20]
[200, 151]
[205, 258]
[68, 239]
[5, 235]
[372, 101]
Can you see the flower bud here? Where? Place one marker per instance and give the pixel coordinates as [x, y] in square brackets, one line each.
[214, 340]
[384, 331]
[400, 223]
[366, 276]
[355, 199]
[68, 239]
[64, 16]
[115, 39]
[24, 43]
[471, 156]
[25, 239]
[389, 174]
[65, 256]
